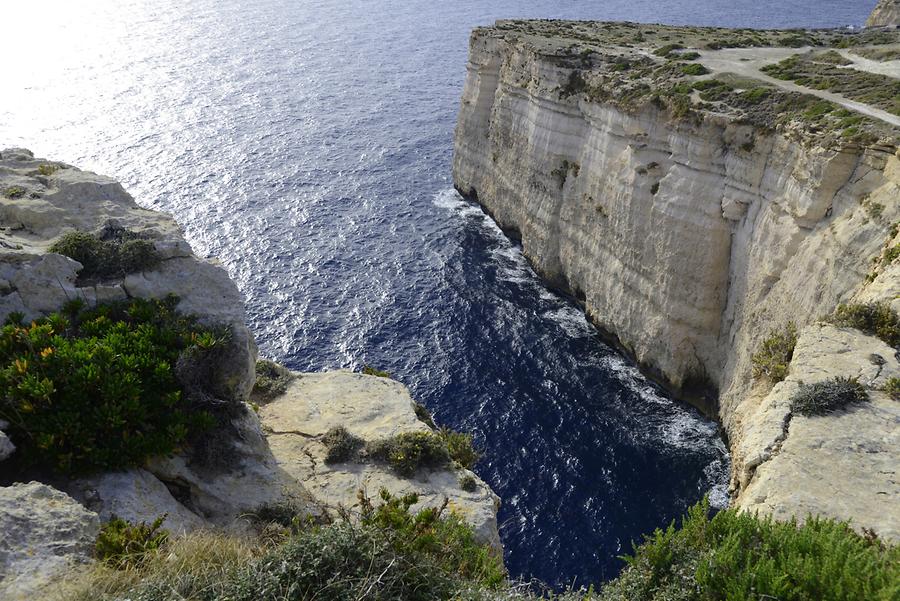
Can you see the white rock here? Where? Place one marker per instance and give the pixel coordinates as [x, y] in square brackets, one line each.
[7, 448]
[45, 285]
[371, 408]
[886, 14]
[137, 496]
[42, 533]
[239, 476]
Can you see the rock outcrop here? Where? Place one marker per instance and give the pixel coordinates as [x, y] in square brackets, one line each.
[371, 408]
[886, 14]
[43, 533]
[221, 479]
[690, 233]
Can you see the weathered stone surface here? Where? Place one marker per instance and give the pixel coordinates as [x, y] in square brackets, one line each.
[42, 532]
[234, 476]
[886, 14]
[843, 465]
[371, 408]
[137, 496]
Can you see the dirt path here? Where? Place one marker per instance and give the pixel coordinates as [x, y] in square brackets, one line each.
[747, 62]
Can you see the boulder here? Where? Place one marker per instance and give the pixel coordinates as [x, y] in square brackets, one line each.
[44, 532]
[7, 448]
[371, 408]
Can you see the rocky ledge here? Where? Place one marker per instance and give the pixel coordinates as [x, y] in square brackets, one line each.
[702, 191]
[231, 473]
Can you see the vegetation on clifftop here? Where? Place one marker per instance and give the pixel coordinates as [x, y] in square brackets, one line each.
[431, 555]
[96, 389]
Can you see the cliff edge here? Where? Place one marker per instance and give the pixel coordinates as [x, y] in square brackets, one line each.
[700, 190]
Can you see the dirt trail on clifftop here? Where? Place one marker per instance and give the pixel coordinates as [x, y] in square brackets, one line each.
[747, 62]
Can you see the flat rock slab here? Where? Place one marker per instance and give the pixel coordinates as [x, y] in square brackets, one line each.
[42, 533]
[370, 408]
[845, 465]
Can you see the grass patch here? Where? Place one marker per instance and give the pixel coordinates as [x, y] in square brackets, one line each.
[389, 553]
[14, 192]
[96, 389]
[773, 358]
[423, 415]
[124, 545]
[341, 445]
[272, 381]
[371, 371]
[411, 451]
[892, 388]
[47, 169]
[694, 69]
[875, 319]
[739, 557]
[468, 483]
[828, 396]
[115, 255]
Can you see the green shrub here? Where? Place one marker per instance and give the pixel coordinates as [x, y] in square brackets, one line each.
[694, 69]
[97, 389]
[828, 396]
[468, 483]
[410, 451]
[892, 387]
[271, 381]
[755, 95]
[371, 371]
[459, 445]
[665, 51]
[772, 359]
[875, 319]
[123, 545]
[341, 445]
[424, 415]
[14, 192]
[48, 169]
[740, 557]
[124, 253]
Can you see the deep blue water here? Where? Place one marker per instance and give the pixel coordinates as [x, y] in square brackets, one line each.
[308, 145]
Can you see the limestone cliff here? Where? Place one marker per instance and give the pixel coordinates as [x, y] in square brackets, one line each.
[692, 222]
[886, 14]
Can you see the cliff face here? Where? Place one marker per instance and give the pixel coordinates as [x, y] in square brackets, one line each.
[886, 14]
[688, 239]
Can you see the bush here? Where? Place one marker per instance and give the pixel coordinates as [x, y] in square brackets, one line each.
[389, 553]
[828, 396]
[48, 169]
[341, 445]
[14, 192]
[410, 451]
[875, 319]
[694, 69]
[122, 545]
[424, 415]
[459, 445]
[892, 388]
[123, 253]
[774, 356]
[468, 483]
[740, 557]
[665, 51]
[96, 389]
[271, 381]
[371, 371]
